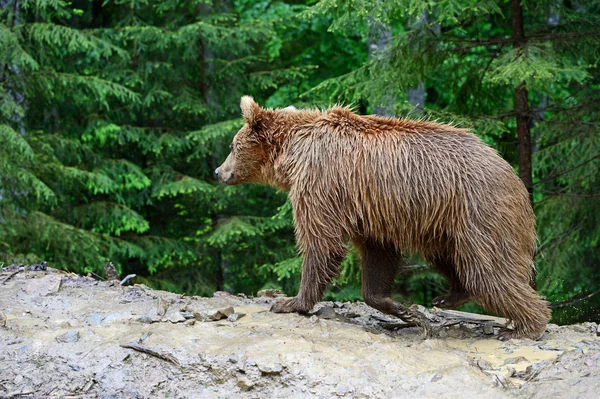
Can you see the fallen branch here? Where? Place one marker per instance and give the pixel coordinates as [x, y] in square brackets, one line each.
[562, 303]
[151, 352]
[11, 276]
[455, 316]
[126, 279]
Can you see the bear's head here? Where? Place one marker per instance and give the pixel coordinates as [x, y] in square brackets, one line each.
[251, 156]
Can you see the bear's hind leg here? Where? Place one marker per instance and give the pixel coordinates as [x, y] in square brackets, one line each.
[458, 295]
[501, 289]
[380, 264]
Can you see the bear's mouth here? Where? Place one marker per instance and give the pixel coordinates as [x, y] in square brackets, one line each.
[227, 178]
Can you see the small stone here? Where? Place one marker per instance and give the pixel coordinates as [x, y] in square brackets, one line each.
[338, 305]
[488, 329]
[68, 337]
[436, 377]
[326, 312]
[18, 379]
[190, 322]
[64, 324]
[187, 315]
[227, 311]
[3, 319]
[174, 317]
[270, 368]
[313, 319]
[515, 360]
[145, 319]
[162, 305]
[235, 316]
[245, 384]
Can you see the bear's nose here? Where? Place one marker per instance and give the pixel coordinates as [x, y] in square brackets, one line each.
[216, 173]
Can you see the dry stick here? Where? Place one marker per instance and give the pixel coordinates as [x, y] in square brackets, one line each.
[129, 277]
[11, 276]
[455, 317]
[562, 304]
[151, 352]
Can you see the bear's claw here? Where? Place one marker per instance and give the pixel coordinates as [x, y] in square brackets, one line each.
[290, 305]
[451, 300]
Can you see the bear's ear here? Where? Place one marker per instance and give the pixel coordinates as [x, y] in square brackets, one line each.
[250, 109]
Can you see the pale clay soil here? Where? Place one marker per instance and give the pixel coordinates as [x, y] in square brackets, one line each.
[63, 335]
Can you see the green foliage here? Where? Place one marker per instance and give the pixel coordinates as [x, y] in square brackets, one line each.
[114, 116]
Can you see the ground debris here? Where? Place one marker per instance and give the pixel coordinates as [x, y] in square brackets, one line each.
[151, 352]
[339, 350]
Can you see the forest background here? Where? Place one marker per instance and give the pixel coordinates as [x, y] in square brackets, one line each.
[114, 115]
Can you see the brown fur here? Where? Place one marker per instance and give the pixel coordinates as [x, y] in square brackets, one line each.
[393, 186]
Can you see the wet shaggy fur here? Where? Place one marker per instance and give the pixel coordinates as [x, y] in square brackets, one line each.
[396, 186]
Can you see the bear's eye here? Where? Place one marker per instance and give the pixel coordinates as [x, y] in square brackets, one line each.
[231, 147]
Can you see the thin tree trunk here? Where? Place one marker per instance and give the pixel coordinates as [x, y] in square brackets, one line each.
[522, 104]
[380, 38]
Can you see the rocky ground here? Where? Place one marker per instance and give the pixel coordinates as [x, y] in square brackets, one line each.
[68, 336]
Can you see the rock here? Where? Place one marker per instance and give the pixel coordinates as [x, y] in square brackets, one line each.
[174, 316]
[190, 322]
[145, 319]
[68, 337]
[187, 315]
[436, 377]
[270, 368]
[245, 383]
[488, 329]
[162, 305]
[270, 293]
[214, 314]
[338, 305]
[313, 319]
[326, 312]
[3, 319]
[43, 286]
[227, 311]
[235, 316]
[515, 360]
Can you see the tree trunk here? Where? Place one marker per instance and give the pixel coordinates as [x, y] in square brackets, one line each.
[521, 104]
[380, 37]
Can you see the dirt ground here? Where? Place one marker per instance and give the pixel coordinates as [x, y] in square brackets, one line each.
[68, 336]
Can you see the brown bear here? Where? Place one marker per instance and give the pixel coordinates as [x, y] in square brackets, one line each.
[394, 186]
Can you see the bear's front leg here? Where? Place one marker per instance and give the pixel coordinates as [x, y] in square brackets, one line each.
[318, 269]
